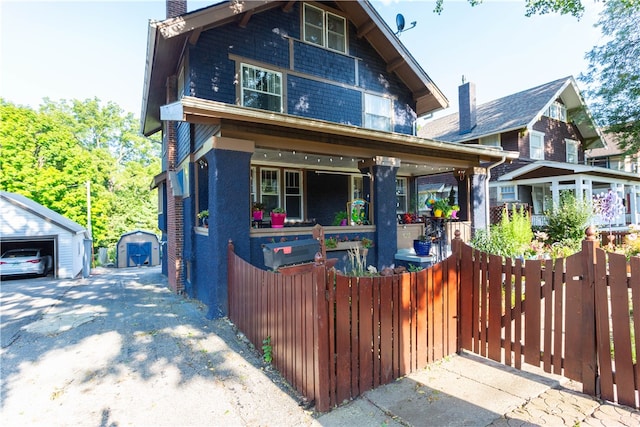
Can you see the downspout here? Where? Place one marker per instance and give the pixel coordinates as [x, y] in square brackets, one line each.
[486, 191]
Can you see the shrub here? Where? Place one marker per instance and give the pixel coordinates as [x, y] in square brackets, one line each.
[510, 238]
[567, 221]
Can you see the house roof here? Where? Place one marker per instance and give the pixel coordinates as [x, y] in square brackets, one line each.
[544, 169]
[167, 39]
[43, 212]
[611, 149]
[519, 111]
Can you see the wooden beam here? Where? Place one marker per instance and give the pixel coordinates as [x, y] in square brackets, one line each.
[193, 38]
[364, 29]
[288, 6]
[393, 65]
[245, 19]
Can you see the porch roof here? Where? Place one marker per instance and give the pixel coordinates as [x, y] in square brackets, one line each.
[286, 132]
[545, 169]
[167, 40]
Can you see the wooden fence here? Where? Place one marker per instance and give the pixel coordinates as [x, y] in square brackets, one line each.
[334, 337]
[578, 317]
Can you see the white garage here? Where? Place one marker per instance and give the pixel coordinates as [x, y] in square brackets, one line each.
[27, 224]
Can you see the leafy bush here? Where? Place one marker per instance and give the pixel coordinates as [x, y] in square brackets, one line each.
[510, 238]
[567, 221]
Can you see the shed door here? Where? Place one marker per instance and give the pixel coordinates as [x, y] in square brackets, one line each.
[138, 254]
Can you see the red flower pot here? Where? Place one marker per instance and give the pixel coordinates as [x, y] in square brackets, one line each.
[277, 219]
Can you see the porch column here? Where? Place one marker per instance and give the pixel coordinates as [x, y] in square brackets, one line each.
[634, 194]
[473, 195]
[555, 193]
[229, 208]
[383, 206]
[588, 185]
[579, 189]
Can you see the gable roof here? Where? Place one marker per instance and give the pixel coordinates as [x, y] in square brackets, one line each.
[519, 111]
[43, 212]
[547, 168]
[167, 39]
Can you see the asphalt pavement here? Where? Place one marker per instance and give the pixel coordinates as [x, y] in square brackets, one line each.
[119, 349]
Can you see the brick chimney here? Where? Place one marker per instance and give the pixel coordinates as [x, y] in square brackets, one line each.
[176, 8]
[467, 106]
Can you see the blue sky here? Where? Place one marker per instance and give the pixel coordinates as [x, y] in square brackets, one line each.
[86, 49]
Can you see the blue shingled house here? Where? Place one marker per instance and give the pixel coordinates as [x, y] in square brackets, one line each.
[309, 107]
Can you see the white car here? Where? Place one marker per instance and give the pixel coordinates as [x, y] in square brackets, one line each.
[24, 261]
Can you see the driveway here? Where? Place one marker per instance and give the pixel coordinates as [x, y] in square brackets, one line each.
[119, 349]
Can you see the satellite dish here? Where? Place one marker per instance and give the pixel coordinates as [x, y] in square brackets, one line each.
[400, 23]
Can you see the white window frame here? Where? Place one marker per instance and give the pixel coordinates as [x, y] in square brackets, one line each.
[274, 187]
[357, 187]
[275, 91]
[557, 111]
[375, 113]
[401, 195]
[502, 193]
[536, 152]
[327, 30]
[491, 140]
[571, 150]
[298, 195]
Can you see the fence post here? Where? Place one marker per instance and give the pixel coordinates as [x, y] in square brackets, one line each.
[321, 333]
[456, 251]
[589, 340]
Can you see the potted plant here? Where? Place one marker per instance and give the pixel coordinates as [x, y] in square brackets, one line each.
[340, 218]
[203, 216]
[422, 245]
[278, 216]
[258, 211]
[441, 208]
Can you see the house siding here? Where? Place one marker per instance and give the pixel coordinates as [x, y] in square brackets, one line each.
[555, 133]
[316, 78]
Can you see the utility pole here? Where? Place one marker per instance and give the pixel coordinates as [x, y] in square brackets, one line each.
[89, 209]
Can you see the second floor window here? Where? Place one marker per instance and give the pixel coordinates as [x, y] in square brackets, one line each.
[572, 150]
[536, 145]
[261, 88]
[491, 140]
[377, 112]
[325, 29]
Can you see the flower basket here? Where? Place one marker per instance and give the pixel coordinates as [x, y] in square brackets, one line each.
[258, 215]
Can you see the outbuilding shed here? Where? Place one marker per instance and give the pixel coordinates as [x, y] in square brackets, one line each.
[138, 248]
[27, 224]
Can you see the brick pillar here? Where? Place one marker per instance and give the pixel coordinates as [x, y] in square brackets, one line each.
[175, 215]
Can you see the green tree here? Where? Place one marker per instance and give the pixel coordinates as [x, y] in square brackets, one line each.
[567, 221]
[537, 7]
[49, 155]
[613, 79]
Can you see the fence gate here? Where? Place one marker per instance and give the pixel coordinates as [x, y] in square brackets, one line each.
[578, 317]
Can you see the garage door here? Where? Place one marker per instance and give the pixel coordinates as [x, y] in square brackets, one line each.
[46, 244]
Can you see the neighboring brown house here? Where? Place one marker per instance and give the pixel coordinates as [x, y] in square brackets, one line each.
[550, 126]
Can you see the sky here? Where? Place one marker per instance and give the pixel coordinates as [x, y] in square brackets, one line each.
[86, 49]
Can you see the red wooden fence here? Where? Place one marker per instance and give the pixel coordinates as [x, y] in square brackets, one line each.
[578, 317]
[335, 337]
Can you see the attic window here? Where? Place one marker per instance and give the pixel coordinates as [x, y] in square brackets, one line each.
[557, 111]
[325, 29]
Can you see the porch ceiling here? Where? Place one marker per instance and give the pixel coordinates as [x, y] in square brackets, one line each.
[283, 134]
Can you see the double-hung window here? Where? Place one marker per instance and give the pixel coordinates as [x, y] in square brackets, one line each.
[325, 29]
[508, 193]
[401, 195]
[261, 88]
[572, 150]
[536, 145]
[270, 188]
[377, 112]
